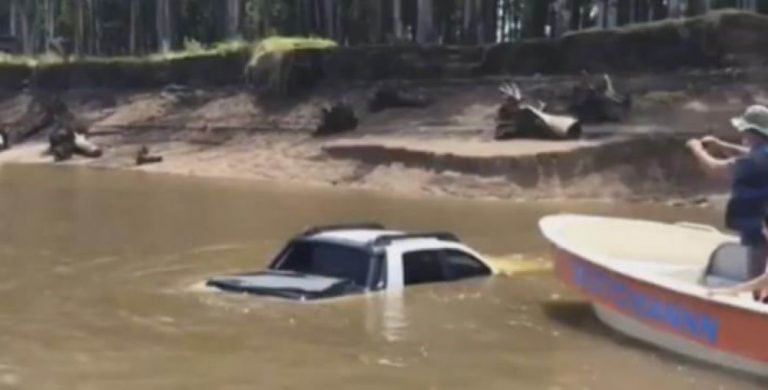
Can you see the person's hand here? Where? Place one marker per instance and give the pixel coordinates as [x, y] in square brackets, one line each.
[694, 144]
[711, 142]
[711, 292]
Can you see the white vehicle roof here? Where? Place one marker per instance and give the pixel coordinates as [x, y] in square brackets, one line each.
[364, 237]
[357, 236]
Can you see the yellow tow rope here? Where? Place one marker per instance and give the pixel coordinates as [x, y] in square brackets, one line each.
[509, 265]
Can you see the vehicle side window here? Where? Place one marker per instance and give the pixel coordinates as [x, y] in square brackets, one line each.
[422, 267]
[461, 265]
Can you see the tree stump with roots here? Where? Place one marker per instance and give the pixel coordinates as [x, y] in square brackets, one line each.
[339, 118]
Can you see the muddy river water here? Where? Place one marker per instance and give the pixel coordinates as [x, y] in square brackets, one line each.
[99, 289]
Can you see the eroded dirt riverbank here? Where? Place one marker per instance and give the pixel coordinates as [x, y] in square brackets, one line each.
[444, 149]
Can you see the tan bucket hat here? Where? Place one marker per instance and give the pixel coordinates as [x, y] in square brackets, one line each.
[754, 118]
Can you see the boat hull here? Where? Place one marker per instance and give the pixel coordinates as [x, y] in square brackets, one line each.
[698, 328]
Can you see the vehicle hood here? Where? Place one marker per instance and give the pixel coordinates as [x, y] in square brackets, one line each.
[282, 284]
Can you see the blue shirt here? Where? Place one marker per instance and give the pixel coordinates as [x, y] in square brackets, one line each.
[749, 196]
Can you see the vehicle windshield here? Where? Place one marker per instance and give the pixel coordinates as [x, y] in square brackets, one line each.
[326, 259]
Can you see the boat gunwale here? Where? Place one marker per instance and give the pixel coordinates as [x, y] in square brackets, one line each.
[658, 281]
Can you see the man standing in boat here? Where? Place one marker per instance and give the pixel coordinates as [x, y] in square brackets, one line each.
[746, 166]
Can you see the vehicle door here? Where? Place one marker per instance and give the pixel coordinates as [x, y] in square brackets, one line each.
[425, 266]
[458, 264]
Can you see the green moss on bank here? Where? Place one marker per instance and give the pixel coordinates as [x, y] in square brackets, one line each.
[281, 45]
[224, 63]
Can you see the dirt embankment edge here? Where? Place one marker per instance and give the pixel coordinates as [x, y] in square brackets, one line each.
[642, 166]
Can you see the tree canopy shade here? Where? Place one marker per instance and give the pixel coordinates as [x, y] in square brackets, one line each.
[136, 27]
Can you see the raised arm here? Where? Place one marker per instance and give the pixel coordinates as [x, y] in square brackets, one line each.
[728, 148]
[719, 167]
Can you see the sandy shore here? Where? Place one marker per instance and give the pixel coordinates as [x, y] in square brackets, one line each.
[289, 158]
[476, 171]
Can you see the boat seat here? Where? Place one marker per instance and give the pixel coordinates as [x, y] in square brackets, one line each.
[728, 265]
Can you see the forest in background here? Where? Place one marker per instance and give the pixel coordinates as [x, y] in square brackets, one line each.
[140, 27]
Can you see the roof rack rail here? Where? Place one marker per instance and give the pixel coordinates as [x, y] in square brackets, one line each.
[327, 228]
[389, 238]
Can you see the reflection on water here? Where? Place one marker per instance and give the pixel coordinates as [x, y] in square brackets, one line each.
[100, 287]
[385, 316]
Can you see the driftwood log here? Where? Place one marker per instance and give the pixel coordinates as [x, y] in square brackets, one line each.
[599, 102]
[392, 96]
[64, 143]
[143, 157]
[339, 118]
[517, 119]
[67, 134]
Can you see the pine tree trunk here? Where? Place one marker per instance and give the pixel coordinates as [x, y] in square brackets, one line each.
[397, 18]
[478, 21]
[645, 10]
[12, 18]
[535, 18]
[132, 38]
[91, 35]
[600, 19]
[662, 11]
[575, 14]
[79, 27]
[562, 14]
[233, 19]
[328, 8]
[49, 26]
[505, 9]
[612, 11]
[468, 35]
[425, 29]
[299, 19]
[337, 27]
[674, 8]
[97, 28]
[26, 41]
[318, 15]
[488, 17]
[375, 9]
[163, 25]
[309, 16]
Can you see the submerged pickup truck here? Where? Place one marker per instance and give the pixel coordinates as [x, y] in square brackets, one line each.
[334, 261]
